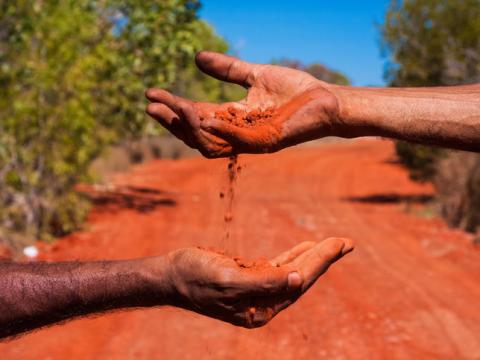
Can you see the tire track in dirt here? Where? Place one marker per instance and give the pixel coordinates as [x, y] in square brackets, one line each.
[464, 345]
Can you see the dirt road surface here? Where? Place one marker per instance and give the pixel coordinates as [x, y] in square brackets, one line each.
[410, 290]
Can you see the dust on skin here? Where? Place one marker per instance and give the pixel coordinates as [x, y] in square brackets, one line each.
[252, 314]
[260, 264]
[243, 118]
[269, 127]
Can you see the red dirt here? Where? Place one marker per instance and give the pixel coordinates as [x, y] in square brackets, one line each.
[257, 264]
[410, 290]
[232, 171]
[245, 119]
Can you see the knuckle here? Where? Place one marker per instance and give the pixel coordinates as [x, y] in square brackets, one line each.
[254, 74]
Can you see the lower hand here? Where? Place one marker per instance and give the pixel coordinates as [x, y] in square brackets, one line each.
[248, 294]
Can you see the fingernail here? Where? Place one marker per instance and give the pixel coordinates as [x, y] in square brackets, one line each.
[294, 280]
[348, 247]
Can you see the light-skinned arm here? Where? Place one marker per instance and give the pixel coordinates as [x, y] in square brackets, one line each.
[307, 108]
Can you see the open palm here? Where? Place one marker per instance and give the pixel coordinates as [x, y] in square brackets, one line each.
[300, 103]
[249, 294]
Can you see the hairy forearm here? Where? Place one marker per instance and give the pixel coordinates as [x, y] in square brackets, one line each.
[36, 295]
[442, 116]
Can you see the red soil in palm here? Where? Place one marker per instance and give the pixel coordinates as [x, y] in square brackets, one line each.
[245, 119]
[410, 290]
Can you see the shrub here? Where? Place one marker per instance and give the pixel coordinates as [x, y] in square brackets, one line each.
[72, 78]
[432, 43]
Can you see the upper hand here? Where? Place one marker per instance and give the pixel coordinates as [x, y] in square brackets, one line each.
[304, 109]
[248, 294]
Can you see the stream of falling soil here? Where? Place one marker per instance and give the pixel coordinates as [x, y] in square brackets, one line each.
[233, 170]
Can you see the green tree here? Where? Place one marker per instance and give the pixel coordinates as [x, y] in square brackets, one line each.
[193, 84]
[72, 78]
[432, 42]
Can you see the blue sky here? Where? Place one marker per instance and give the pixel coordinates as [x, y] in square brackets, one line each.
[341, 34]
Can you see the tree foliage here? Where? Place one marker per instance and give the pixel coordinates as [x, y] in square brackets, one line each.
[431, 43]
[72, 78]
[193, 84]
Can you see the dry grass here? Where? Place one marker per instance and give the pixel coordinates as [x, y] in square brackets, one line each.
[457, 181]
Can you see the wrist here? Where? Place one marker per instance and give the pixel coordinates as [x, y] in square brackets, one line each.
[354, 117]
[156, 286]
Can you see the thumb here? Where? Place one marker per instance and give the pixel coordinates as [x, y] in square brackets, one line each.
[316, 261]
[271, 281]
[225, 68]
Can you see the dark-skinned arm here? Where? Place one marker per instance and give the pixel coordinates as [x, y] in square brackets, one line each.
[34, 295]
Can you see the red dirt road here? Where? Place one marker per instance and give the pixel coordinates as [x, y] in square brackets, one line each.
[410, 290]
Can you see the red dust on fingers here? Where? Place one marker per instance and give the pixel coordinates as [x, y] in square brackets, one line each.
[247, 131]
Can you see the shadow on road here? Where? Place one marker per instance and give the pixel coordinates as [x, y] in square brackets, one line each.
[391, 198]
[140, 199]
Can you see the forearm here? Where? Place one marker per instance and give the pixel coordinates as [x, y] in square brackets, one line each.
[442, 116]
[36, 295]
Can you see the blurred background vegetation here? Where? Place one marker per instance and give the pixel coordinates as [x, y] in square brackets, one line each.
[437, 43]
[72, 79]
[73, 75]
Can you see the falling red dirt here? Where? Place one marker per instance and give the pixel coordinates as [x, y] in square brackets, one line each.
[410, 290]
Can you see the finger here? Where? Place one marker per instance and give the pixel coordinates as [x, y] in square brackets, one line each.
[270, 281]
[212, 146]
[187, 112]
[316, 261]
[182, 107]
[162, 113]
[233, 134]
[162, 96]
[166, 117]
[292, 253]
[170, 120]
[226, 68]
